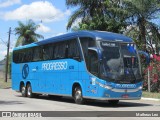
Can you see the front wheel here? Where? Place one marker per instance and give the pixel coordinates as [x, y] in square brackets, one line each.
[113, 102]
[78, 98]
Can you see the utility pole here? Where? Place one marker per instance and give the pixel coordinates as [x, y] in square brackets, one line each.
[7, 57]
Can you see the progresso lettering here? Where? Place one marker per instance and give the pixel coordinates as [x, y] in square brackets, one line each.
[55, 66]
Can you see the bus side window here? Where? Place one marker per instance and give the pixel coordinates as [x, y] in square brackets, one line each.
[60, 50]
[37, 54]
[87, 42]
[92, 62]
[56, 52]
[16, 57]
[28, 55]
[73, 50]
[22, 55]
[48, 52]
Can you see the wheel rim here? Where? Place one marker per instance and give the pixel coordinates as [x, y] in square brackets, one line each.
[78, 95]
[29, 91]
[23, 90]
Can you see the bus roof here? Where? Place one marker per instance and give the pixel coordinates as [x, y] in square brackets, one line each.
[94, 34]
[97, 35]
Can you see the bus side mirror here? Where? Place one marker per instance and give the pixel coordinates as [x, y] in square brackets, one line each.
[147, 56]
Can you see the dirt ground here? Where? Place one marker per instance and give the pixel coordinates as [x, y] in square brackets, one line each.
[3, 84]
[2, 75]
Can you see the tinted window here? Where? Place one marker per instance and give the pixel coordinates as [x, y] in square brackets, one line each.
[86, 43]
[25, 55]
[16, 56]
[37, 54]
[28, 55]
[73, 49]
[92, 62]
[48, 52]
[60, 50]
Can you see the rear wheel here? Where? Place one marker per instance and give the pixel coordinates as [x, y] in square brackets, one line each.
[113, 102]
[78, 98]
[23, 91]
[29, 91]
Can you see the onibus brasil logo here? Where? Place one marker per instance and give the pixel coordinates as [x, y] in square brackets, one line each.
[25, 71]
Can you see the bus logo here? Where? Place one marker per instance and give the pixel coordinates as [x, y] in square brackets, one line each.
[25, 71]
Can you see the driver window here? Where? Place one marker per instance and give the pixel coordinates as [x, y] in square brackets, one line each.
[92, 62]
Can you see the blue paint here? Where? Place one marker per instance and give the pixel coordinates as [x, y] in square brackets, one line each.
[46, 77]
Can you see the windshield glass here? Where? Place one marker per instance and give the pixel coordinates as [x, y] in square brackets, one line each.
[120, 62]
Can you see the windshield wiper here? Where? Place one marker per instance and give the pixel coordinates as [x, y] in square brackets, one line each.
[130, 68]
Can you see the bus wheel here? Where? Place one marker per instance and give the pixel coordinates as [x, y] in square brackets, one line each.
[23, 91]
[113, 102]
[78, 95]
[29, 91]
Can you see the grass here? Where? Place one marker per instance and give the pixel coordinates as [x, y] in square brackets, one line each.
[151, 95]
[5, 85]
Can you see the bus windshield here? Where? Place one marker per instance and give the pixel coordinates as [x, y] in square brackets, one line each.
[120, 62]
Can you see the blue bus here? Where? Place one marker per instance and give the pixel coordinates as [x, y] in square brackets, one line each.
[83, 65]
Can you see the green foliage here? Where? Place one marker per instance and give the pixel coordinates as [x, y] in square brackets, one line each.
[140, 13]
[105, 15]
[150, 95]
[26, 33]
[116, 16]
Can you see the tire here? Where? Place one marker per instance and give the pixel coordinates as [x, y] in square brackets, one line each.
[23, 91]
[29, 91]
[113, 102]
[78, 98]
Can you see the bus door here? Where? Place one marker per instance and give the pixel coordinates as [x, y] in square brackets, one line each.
[92, 67]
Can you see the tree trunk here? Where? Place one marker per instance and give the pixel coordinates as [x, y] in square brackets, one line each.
[143, 33]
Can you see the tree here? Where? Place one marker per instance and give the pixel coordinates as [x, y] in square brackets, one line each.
[26, 33]
[106, 15]
[116, 16]
[140, 13]
[9, 63]
[86, 11]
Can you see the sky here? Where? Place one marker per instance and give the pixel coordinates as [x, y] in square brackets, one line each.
[51, 15]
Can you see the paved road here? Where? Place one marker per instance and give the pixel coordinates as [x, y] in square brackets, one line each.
[12, 101]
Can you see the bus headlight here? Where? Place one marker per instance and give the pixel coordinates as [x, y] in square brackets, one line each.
[104, 86]
[140, 87]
